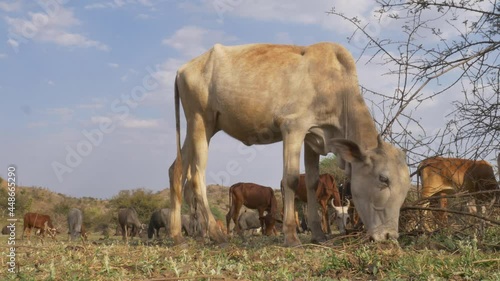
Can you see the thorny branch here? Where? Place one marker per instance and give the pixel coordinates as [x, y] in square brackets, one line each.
[430, 63]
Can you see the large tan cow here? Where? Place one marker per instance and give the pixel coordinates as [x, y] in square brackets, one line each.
[325, 192]
[442, 176]
[40, 222]
[263, 93]
[252, 196]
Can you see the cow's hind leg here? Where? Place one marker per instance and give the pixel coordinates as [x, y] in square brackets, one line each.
[177, 182]
[311, 160]
[201, 137]
[228, 219]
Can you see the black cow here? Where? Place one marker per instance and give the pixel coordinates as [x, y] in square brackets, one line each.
[159, 219]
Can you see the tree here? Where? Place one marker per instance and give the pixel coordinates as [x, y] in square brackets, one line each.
[448, 46]
[143, 200]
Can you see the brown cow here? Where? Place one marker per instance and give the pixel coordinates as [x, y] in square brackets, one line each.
[326, 190]
[253, 196]
[441, 176]
[38, 221]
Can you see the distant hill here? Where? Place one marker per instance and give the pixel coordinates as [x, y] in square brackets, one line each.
[102, 213]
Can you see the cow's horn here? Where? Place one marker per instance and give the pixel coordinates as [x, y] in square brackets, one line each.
[379, 141]
[348, 203]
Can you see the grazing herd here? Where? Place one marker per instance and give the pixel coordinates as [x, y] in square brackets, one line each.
[253, 207]
[308, 97]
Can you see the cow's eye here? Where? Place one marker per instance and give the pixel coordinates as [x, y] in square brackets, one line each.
[383, 179]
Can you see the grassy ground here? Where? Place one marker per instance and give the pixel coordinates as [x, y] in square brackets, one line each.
[444, 256]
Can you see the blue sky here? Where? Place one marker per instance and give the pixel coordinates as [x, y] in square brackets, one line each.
[71, 66]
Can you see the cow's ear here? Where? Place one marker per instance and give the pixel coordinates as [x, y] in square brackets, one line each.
[348, 150]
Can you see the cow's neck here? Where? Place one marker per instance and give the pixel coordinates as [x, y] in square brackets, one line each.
[357, 122]
[354, 123]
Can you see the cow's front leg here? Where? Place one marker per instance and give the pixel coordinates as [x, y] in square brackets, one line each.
[292, 142]
[311, 160]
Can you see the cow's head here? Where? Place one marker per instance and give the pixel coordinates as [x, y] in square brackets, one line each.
[380, 180]
[269, 223]
[341, 215]
[50, 229]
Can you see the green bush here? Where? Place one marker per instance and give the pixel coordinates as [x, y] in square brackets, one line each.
[329, 165]
[142, 200]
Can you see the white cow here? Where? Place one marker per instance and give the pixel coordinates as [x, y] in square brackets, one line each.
[303, 96]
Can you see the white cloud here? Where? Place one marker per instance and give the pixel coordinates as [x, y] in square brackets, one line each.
[134, 123]
[164, 75]
[53, 27]
[2, 55]
[193, 40]
[96, 6]
[115, 4]
[50, 83]
[129, 72]
[113, 65]
[287, 11]
[39, 124]
[13, 43]
[96, 103]
[10, 6]
[128, 122]
[100, 119]
[66, 114]
[143, 16]
[283, 38]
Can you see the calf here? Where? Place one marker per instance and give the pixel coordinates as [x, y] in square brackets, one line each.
[253, 196]
[40, 222]
[249, 220]
[326, 191]
[129, 222]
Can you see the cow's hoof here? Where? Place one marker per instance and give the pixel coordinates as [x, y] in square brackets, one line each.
[222, 245]
[318, 240]
[179, 240]
[292, 243]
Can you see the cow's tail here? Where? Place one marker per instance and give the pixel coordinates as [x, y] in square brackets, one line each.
[230, 195]
[418, 173]
[178, 162]
[274, 204]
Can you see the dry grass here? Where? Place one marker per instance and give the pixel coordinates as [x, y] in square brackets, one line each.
[439, 257]
[460, 251]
